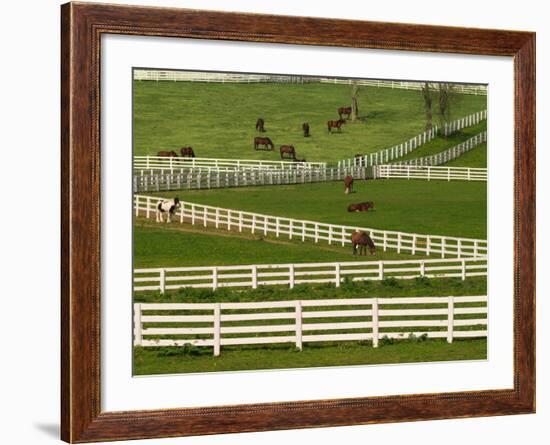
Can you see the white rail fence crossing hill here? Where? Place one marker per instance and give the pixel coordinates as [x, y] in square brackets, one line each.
[254, 275]
[448, 155]
[402, 242]
[208, 179]
[392, 171]
[305, 321]
[400, 150]
[180, 163]
[194, 76]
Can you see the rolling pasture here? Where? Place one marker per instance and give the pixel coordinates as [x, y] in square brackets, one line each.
[454, 208]
[218, 120]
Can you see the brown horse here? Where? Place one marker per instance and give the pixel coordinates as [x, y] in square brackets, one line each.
[362, 240]
[305, 128]
[187, 152]
[260, 125]
[288, 150]
[167, 154]
[344, 110]
[266, 142]
[361, 206]
[335, 124]
[348, 184]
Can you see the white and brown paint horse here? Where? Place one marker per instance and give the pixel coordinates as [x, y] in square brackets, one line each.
[168, 206]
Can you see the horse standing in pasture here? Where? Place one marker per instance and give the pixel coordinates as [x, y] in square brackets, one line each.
[335, 124]
[266, 142]
[361, 206]
[168, 206]
[167, 154]
[288, 150]
[362, 241]
[344, 110]
[260, 125]
[187, 152]
[348, 184]
[305, 128]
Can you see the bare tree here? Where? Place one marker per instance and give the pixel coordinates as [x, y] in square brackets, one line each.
[446, 94]
[427, 95]
[354, 96]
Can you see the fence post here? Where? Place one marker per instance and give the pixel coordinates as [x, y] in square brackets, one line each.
[463, 269]
[277, 223]
[240, 221]
[343, 236]
[298, 322]
[428, 245]
[385, 245]
[254, 276]
[138, 338]
[450, 319]
[214, 278]
[217, 329]
[413, 248]
[374, 317]
[291, 276]
[217, 217]
[422, 268]
[162, 280]
[337, 274]
[147, 209]
[380, 270]
[290, 228]
[443, 243]
[193, 214]
[399, 242]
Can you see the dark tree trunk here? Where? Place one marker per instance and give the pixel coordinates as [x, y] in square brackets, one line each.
[354, 105]
[427, 95]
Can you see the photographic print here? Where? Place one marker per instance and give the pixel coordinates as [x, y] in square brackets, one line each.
[288, 221]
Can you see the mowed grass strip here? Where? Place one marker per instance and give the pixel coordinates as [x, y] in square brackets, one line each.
[218, 120]
[178, 245]
[175, 360]
[455, 208]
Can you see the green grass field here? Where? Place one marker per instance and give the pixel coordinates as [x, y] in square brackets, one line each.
[456, 208]
[476, 157]
[218, 120]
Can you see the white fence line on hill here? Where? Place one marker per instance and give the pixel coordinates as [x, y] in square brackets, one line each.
[400, 150]
[290, 228]
[195, 76]
[198, 179]
[254, 275]
[180, 163]
[449, 154]
[391, 171]
[305, 321]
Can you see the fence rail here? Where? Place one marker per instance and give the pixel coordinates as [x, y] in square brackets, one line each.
[254, 275]
[180, 163]
[391, 171]
[398, 151]
[192, 179]
[229, 219]
[194, 76]
[447, 155]
[304, 321]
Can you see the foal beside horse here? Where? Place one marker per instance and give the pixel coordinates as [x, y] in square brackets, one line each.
[361, 240]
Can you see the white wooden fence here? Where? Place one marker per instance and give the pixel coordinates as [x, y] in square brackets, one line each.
[449, 154]
[400, 150]
[229, 219]
[391, 171]
[221, 77]
[208, 179]
[180, 163]
[305, 321]
[254, 275]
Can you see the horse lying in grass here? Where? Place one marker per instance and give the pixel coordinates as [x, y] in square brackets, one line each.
[168, 206]
[362, 241]
[361, 206]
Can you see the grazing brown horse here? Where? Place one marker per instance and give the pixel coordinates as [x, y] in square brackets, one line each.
[362, 240]
[305, 128]
[288, 150]
[187, 152]
[361, 206]
[344, 110]
[348, 184]
[167, 154]
[266, 142]
[260, 125]
[335, 124]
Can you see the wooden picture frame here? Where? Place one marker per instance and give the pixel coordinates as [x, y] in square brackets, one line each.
[82, 26]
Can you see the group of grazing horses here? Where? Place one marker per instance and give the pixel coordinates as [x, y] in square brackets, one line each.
[186, 152]
[265, 143]
[359, 239]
